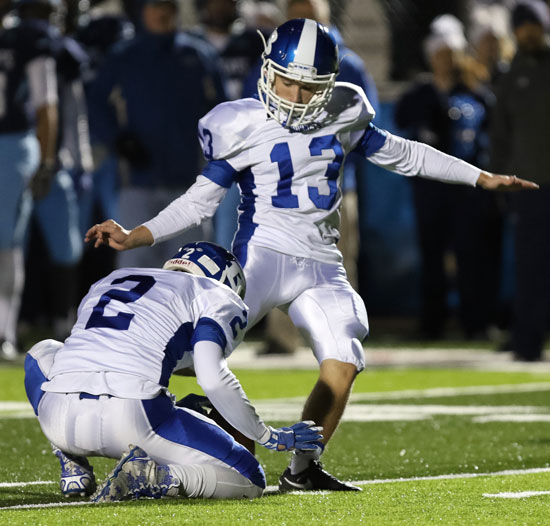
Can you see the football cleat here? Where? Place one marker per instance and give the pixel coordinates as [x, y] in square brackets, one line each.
[77, 475]
[313, 478]
[137, 475]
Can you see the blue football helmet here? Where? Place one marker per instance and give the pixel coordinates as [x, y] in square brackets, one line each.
[212, 261]
[301, 50]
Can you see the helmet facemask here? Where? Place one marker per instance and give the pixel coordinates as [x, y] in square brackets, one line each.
[292, 114]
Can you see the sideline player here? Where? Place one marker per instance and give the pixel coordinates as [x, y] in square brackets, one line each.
[106, 386]
[28, 133]
[286, 150]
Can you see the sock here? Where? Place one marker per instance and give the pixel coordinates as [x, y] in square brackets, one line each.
[11, 288]
[300, 459]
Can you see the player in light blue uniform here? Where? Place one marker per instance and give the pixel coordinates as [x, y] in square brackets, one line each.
[28, 129]
[55, 214]
[106, 386]
[286, 150]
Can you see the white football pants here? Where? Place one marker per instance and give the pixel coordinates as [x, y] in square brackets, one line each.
[208, 461]
[318, 298]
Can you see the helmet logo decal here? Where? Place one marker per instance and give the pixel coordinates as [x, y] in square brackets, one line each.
[272, 39]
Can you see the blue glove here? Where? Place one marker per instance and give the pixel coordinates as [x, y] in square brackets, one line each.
[304, 436]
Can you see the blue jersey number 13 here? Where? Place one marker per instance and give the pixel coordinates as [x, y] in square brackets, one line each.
[280, 154]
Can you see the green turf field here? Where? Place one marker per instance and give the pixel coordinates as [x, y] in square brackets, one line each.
[434, 446]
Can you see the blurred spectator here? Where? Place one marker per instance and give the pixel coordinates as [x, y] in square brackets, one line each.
[238, 46]
[409, 22]
[520, 144]
[28, 129]
[443, 110]
[490, 40]
[54, 223]
[280, 335]
[99, 193]
[161, 82]
[261, 16]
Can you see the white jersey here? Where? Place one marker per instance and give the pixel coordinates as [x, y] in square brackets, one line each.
[136, 326]
[290, 180]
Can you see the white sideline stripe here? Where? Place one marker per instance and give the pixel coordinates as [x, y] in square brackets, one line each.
[517, 495]
[274, 489]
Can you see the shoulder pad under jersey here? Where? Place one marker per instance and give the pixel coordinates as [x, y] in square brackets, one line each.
[349, 105]
[225, 130]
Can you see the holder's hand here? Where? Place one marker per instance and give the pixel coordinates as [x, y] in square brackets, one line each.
[302, 436]
[116, 236]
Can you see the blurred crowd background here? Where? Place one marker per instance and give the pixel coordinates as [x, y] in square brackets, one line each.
[106, 127]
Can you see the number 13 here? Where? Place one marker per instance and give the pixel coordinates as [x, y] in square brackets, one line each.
[280, 154]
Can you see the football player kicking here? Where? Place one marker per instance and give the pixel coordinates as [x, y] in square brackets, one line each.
[106, 386]
[286, 150]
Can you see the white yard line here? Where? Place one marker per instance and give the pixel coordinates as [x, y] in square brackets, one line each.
[509, 472]
[47, 505]
[24, 484]
[516, 495]
[289, 408]
[434, 392]
[437, 392]
[275, 489]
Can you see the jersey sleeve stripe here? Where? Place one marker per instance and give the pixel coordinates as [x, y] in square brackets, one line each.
[209, 330]
[373, 139]
[220, 172]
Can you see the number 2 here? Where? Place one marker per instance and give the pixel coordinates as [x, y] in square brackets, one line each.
[122, 320]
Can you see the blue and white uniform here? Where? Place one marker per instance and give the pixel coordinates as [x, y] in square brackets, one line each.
[290, 183]
[106, 386]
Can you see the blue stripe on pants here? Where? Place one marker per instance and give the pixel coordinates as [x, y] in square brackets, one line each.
[34, 378]
[182, 427]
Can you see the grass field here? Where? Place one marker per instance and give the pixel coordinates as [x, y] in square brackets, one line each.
[428, 446]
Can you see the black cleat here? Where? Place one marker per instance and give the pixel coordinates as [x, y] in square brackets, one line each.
[313, 478]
